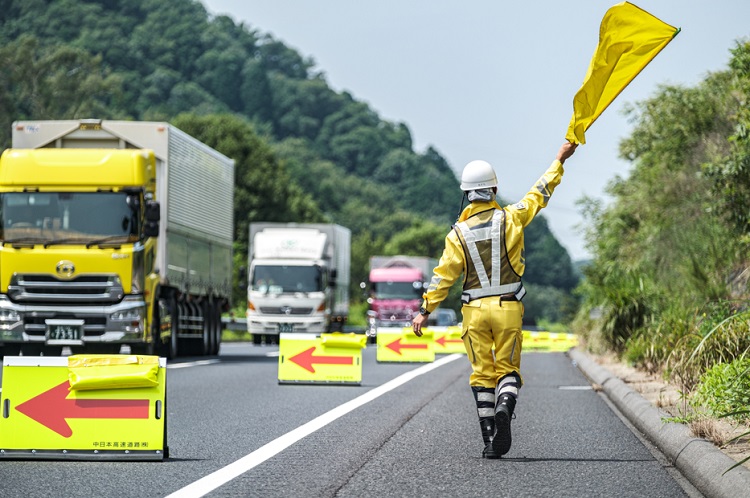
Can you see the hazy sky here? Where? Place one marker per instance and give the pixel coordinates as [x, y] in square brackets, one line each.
[493, 79]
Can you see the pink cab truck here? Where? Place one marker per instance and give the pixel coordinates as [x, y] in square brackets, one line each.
[396, 284]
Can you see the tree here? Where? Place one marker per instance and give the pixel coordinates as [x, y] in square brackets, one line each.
[731, 173]
[263, 189]
[53, 83]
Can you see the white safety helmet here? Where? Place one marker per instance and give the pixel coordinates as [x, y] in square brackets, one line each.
[478, 174]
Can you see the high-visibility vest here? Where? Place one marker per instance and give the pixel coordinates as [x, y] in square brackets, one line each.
[488, 268]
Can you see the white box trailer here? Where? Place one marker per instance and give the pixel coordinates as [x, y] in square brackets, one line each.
[298, 278]
[195, 193]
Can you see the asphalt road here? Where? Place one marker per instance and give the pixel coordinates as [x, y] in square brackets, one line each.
[407, 430]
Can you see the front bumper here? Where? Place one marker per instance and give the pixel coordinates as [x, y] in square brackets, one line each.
[120, 323]
[275, 324]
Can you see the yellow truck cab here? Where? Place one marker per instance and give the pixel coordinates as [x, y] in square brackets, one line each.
[103, 242]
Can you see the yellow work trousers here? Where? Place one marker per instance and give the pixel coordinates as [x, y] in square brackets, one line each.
[492, 336]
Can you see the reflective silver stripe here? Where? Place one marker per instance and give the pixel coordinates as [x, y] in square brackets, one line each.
[471, 237]
[434, 282]
[486, 412]
[509, 384]
[496, 237]
[482, 396]
[494, 291]
[543, 187]
[520, 293]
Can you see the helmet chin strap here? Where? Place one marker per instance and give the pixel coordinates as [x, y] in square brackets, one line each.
[461, 209]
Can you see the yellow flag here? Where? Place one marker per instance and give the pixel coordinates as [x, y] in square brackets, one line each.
[629, 38]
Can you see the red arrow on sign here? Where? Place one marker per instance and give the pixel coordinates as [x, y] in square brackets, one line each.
[305, 359]
[52, 407]
[443, 340]
[397, 346]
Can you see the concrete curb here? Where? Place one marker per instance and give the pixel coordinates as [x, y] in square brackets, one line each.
[697, 459]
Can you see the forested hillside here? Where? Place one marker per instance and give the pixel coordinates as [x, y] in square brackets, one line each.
[304, 152]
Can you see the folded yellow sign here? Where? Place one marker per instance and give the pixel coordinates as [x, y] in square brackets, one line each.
[88, 372]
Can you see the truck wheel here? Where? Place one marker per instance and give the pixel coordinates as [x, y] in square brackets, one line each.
[257, 339]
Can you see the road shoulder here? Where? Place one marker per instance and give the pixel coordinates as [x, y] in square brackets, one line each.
[698, 459]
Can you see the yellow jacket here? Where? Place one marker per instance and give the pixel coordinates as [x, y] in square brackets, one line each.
[452, 263]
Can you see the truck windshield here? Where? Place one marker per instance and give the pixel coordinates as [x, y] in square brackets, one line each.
[275, 279]
[69, 217]
[395, 290]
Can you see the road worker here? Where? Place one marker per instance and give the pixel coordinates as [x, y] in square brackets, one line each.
[487, 246]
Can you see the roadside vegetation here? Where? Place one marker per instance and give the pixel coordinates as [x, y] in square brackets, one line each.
[667, 289]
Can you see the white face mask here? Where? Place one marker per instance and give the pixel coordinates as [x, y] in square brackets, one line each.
[482, 194]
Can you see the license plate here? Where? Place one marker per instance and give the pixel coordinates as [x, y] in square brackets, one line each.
[286, 327]
[64, 331]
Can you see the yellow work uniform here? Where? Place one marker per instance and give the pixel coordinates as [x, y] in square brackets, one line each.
[489, 321]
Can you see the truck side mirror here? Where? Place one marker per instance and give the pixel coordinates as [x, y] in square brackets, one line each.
[153, 211]
[151, 227]
[334, 273]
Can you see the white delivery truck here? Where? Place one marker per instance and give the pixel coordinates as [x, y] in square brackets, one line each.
[298, 279]
[113, 233]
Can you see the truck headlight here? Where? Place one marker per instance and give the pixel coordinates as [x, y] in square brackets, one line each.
[131, 319]
[9, 319]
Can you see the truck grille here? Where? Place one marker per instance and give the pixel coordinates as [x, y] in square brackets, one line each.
[284, 310]
[47, 289]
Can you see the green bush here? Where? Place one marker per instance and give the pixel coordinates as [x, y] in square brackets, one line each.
[719, 336]
[725, 388]
[357, 314]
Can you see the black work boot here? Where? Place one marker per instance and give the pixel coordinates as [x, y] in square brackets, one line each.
[501, 440]
[485, 398]
[488, 431]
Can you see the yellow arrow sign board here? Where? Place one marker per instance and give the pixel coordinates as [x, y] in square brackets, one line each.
[331, 358]
[548, 341]
[399, 344]
[448, 340]
[41, 417]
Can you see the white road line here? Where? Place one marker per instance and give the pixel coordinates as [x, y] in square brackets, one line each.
[222, 476]
[192, 364]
